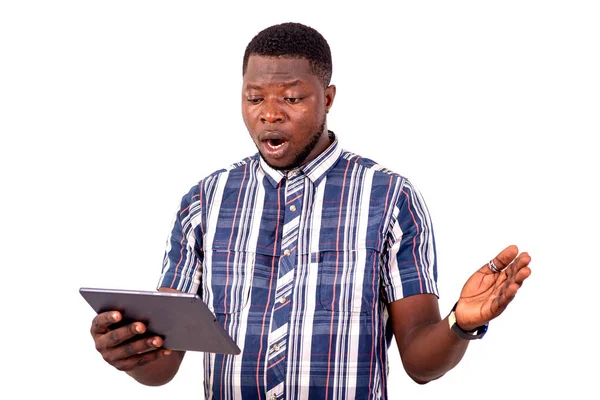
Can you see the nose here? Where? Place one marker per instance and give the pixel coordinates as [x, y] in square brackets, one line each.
[271, 112]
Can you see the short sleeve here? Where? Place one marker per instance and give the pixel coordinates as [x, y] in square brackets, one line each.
[410, 265]
[182, 263]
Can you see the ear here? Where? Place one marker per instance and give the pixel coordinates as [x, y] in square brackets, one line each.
[329, 97]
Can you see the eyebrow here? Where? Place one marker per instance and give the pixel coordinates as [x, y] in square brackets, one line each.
[296, 82]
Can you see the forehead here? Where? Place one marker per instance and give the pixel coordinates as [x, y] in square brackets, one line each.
[263, 70]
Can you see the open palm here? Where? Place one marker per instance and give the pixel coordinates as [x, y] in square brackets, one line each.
[486, 294]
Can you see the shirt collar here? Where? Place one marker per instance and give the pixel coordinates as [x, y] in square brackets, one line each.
[314, 170]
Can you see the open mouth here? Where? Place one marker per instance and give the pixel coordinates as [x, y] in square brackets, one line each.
[274, 148]
[275, 143]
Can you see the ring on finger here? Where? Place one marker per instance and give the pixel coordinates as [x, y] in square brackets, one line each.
[493, 267]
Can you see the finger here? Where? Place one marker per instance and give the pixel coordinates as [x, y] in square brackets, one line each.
[102, 321]
[512, 286]
[506, 256]
[133, 362]
[132, 348]
[518, 270]
[115, 337]
[522, 274]
[509, 294]
[523, 260]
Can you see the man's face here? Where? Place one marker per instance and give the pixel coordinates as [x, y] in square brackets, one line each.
[284, 106]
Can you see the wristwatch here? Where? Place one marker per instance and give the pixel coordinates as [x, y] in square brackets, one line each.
[476, 333]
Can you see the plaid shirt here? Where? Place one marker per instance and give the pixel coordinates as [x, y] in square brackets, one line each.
[299, 266]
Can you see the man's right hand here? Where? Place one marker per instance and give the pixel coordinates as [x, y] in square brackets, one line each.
[120, 347]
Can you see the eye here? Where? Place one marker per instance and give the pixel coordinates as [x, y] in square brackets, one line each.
[254, 100]
[293, 100]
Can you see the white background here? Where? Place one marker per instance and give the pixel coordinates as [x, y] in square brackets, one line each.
[111, 110]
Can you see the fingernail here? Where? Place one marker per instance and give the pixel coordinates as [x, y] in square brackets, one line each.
[138, 329]
[167, 352]
[115, 316]
[155, 343]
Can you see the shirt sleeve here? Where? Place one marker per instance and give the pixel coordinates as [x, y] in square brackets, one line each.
[410, 265]
[182, 263]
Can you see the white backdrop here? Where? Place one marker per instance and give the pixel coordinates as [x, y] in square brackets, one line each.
[110, 111]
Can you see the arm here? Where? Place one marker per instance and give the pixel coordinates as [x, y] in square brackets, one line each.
[143, 358]
[428, 348]
[427, 345]
[184, 249]
[127, 348]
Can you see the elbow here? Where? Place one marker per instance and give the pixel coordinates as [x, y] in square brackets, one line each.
[422, 379]
[419, 380]
[422, 374]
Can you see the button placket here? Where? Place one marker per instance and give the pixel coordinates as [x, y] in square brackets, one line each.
[276, 357]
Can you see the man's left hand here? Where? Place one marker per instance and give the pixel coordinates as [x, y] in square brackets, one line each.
[487, 293]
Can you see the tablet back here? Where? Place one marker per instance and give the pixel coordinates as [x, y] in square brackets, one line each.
[181, 319]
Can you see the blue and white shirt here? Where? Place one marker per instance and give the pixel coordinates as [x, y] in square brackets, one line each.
[299, 266]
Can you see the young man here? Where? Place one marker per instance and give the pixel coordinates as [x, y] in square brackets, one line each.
[310, 256]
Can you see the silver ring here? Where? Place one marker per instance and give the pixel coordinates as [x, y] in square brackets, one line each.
[493, 267]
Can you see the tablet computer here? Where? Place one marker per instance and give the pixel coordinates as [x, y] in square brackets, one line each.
[181, 319]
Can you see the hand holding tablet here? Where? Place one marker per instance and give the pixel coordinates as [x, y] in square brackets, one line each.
[181, 319]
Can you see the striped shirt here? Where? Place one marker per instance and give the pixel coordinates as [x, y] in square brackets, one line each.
[298, 267]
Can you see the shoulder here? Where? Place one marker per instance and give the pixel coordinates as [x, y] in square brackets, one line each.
[395, 187]
[237, 167]
[206, 185]
[380, 173]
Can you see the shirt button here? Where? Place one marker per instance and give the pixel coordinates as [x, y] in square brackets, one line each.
[282, 299]
[276, 347]
[287, 252]
[274, 397]
[292, 208]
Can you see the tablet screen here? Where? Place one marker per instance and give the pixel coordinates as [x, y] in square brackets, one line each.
[181, 319]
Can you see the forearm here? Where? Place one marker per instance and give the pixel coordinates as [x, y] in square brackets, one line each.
[432, 350]
[158, 372]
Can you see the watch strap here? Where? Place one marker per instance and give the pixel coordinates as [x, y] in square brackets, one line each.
[477, 333]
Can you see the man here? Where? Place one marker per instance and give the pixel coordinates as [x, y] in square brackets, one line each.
[311, 257]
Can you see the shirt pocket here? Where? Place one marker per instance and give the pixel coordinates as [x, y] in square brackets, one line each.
[348, 279]
[230, 273]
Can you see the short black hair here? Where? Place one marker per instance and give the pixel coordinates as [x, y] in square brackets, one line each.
[293, 40]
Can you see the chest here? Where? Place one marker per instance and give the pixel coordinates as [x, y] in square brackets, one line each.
[320, 243]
